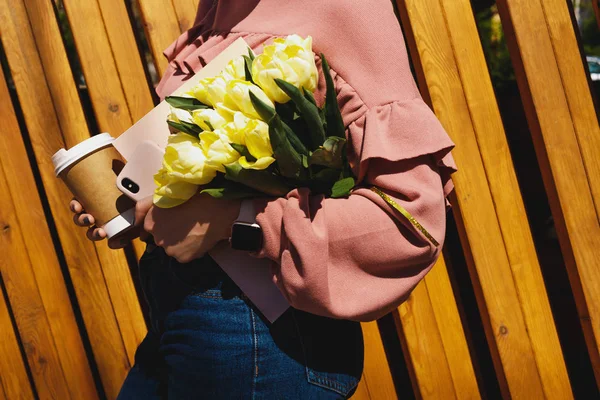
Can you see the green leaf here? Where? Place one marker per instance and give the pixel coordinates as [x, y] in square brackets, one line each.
[331, 154]
[304, 161]
[333, 115]
[308, 111]
[243, 150]
[209, 125]
[309, 96]
[263, 181]
[185, 103]
[342, 188]
[248, 68]
[298, 126]
[192, 127]
[281, 136]
[251, 54]
[328, 175]
[294, 139]
[286, 111]
[230, 193]
[288, 159]
[265, 111]
[322, 181]
[185, 128]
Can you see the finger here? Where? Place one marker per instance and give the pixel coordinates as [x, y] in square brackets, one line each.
[84, 219]
[95, 234]
[75, 206]
[141, 210]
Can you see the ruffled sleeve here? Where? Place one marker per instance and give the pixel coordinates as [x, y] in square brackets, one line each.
[399, 131]
[358, 258]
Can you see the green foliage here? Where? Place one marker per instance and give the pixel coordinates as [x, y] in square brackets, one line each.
[333, 116]
[243, 150]
[262, 181]
[186, 127]
[185, 103]
[590, 33]
[342, 188]
[308, 110]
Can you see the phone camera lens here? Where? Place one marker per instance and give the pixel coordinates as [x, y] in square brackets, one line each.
[130, 185]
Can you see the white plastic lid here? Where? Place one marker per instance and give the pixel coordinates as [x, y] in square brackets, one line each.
[62, 159]
[120, 223]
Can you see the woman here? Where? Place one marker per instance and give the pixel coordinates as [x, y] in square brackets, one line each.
[337, 261]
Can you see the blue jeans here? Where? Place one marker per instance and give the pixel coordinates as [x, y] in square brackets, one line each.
[207, 341]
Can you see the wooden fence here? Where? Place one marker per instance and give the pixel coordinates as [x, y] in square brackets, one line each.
[70, 319]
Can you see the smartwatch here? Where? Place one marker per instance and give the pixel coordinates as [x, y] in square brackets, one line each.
[246, 234]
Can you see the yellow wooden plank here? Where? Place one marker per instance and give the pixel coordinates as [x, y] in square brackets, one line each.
[13, 376]
[98, 65]
[424, 350]
[362, 391]
[549, 73]
[113, 115]
[475, 211]
[126, 56]
[504, 186]
[577, 90]
[45, 135]
[54, 57]
[162, 28]
[186, 12]
[452, 335]
[74, 130]
[129, 64]
[30, 316]
[376, 375]
[48, 280]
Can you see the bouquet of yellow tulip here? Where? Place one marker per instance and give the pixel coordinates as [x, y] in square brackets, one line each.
[255, 130]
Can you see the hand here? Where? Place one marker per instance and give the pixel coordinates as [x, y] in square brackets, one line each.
[81, 218]
[190, 230]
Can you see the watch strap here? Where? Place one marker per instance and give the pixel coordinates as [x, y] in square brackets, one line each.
[247, 212]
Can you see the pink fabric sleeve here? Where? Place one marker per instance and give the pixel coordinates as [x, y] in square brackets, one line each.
[358, 258]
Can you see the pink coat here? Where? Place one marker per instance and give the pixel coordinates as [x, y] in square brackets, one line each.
[354, 258]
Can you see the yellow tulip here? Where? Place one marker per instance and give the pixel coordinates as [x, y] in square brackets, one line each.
[210, 91]
[209, 119]
[290, 59]
[256, 134]
[218, 150]
[200, 91]
[238, 97]
[236, 69]
[185, 160]
[171, 193]
[237, 128]
[178, 115]
[226, 112]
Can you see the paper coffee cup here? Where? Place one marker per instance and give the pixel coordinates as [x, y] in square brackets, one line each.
[90, 170]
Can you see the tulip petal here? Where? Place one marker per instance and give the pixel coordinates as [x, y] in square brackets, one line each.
[260, 164]
[171, 193]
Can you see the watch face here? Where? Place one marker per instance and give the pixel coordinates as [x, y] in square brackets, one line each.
[246, 237]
